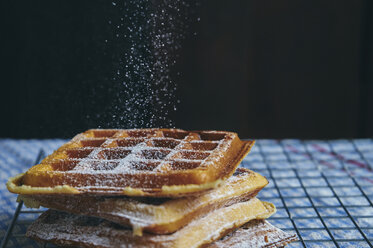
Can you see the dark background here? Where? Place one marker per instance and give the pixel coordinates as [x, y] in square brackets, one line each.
[266, 69]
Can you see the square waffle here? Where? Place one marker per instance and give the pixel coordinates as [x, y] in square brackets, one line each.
[160, 216]
[67, 229]
[136, 162]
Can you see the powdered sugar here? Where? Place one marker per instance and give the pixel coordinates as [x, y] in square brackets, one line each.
[142, 151]
[146, 38]
[141, 162]
[258, 233]
[57, 226]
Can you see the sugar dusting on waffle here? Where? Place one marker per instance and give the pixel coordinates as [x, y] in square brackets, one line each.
[69, 228]
[150, 213]
[256, 233]
[137, 162]
[145, 153]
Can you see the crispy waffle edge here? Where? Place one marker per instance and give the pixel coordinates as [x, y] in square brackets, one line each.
[158, 226]
[211, 236]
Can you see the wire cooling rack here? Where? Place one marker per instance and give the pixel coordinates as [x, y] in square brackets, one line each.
[323, 191]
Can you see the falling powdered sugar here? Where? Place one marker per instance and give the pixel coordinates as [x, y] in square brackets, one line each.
[147, 36]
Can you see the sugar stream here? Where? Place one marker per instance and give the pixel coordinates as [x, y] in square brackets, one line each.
[149, 34]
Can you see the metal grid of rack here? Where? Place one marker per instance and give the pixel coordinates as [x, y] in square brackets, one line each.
[22, 219]
[323, 191]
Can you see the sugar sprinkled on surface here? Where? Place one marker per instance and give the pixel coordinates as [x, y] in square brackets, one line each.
[142, 153]
[258, 233]
[100, 232]
[107, 155]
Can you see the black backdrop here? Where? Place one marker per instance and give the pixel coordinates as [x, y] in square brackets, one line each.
[266, 69]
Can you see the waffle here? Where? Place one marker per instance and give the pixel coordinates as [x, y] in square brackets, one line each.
[160, 216]
[256, 233]
[137, 162]
[66, 229]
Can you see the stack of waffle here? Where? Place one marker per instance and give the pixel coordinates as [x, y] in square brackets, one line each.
[149, 188]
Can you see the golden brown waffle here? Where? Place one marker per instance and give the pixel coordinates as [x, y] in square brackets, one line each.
[159, 216]
[258, 234]
[137, 162]
[67, 229]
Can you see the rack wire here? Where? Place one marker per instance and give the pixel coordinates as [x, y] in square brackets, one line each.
[322, 195]
[323, 191]
[17, 221]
